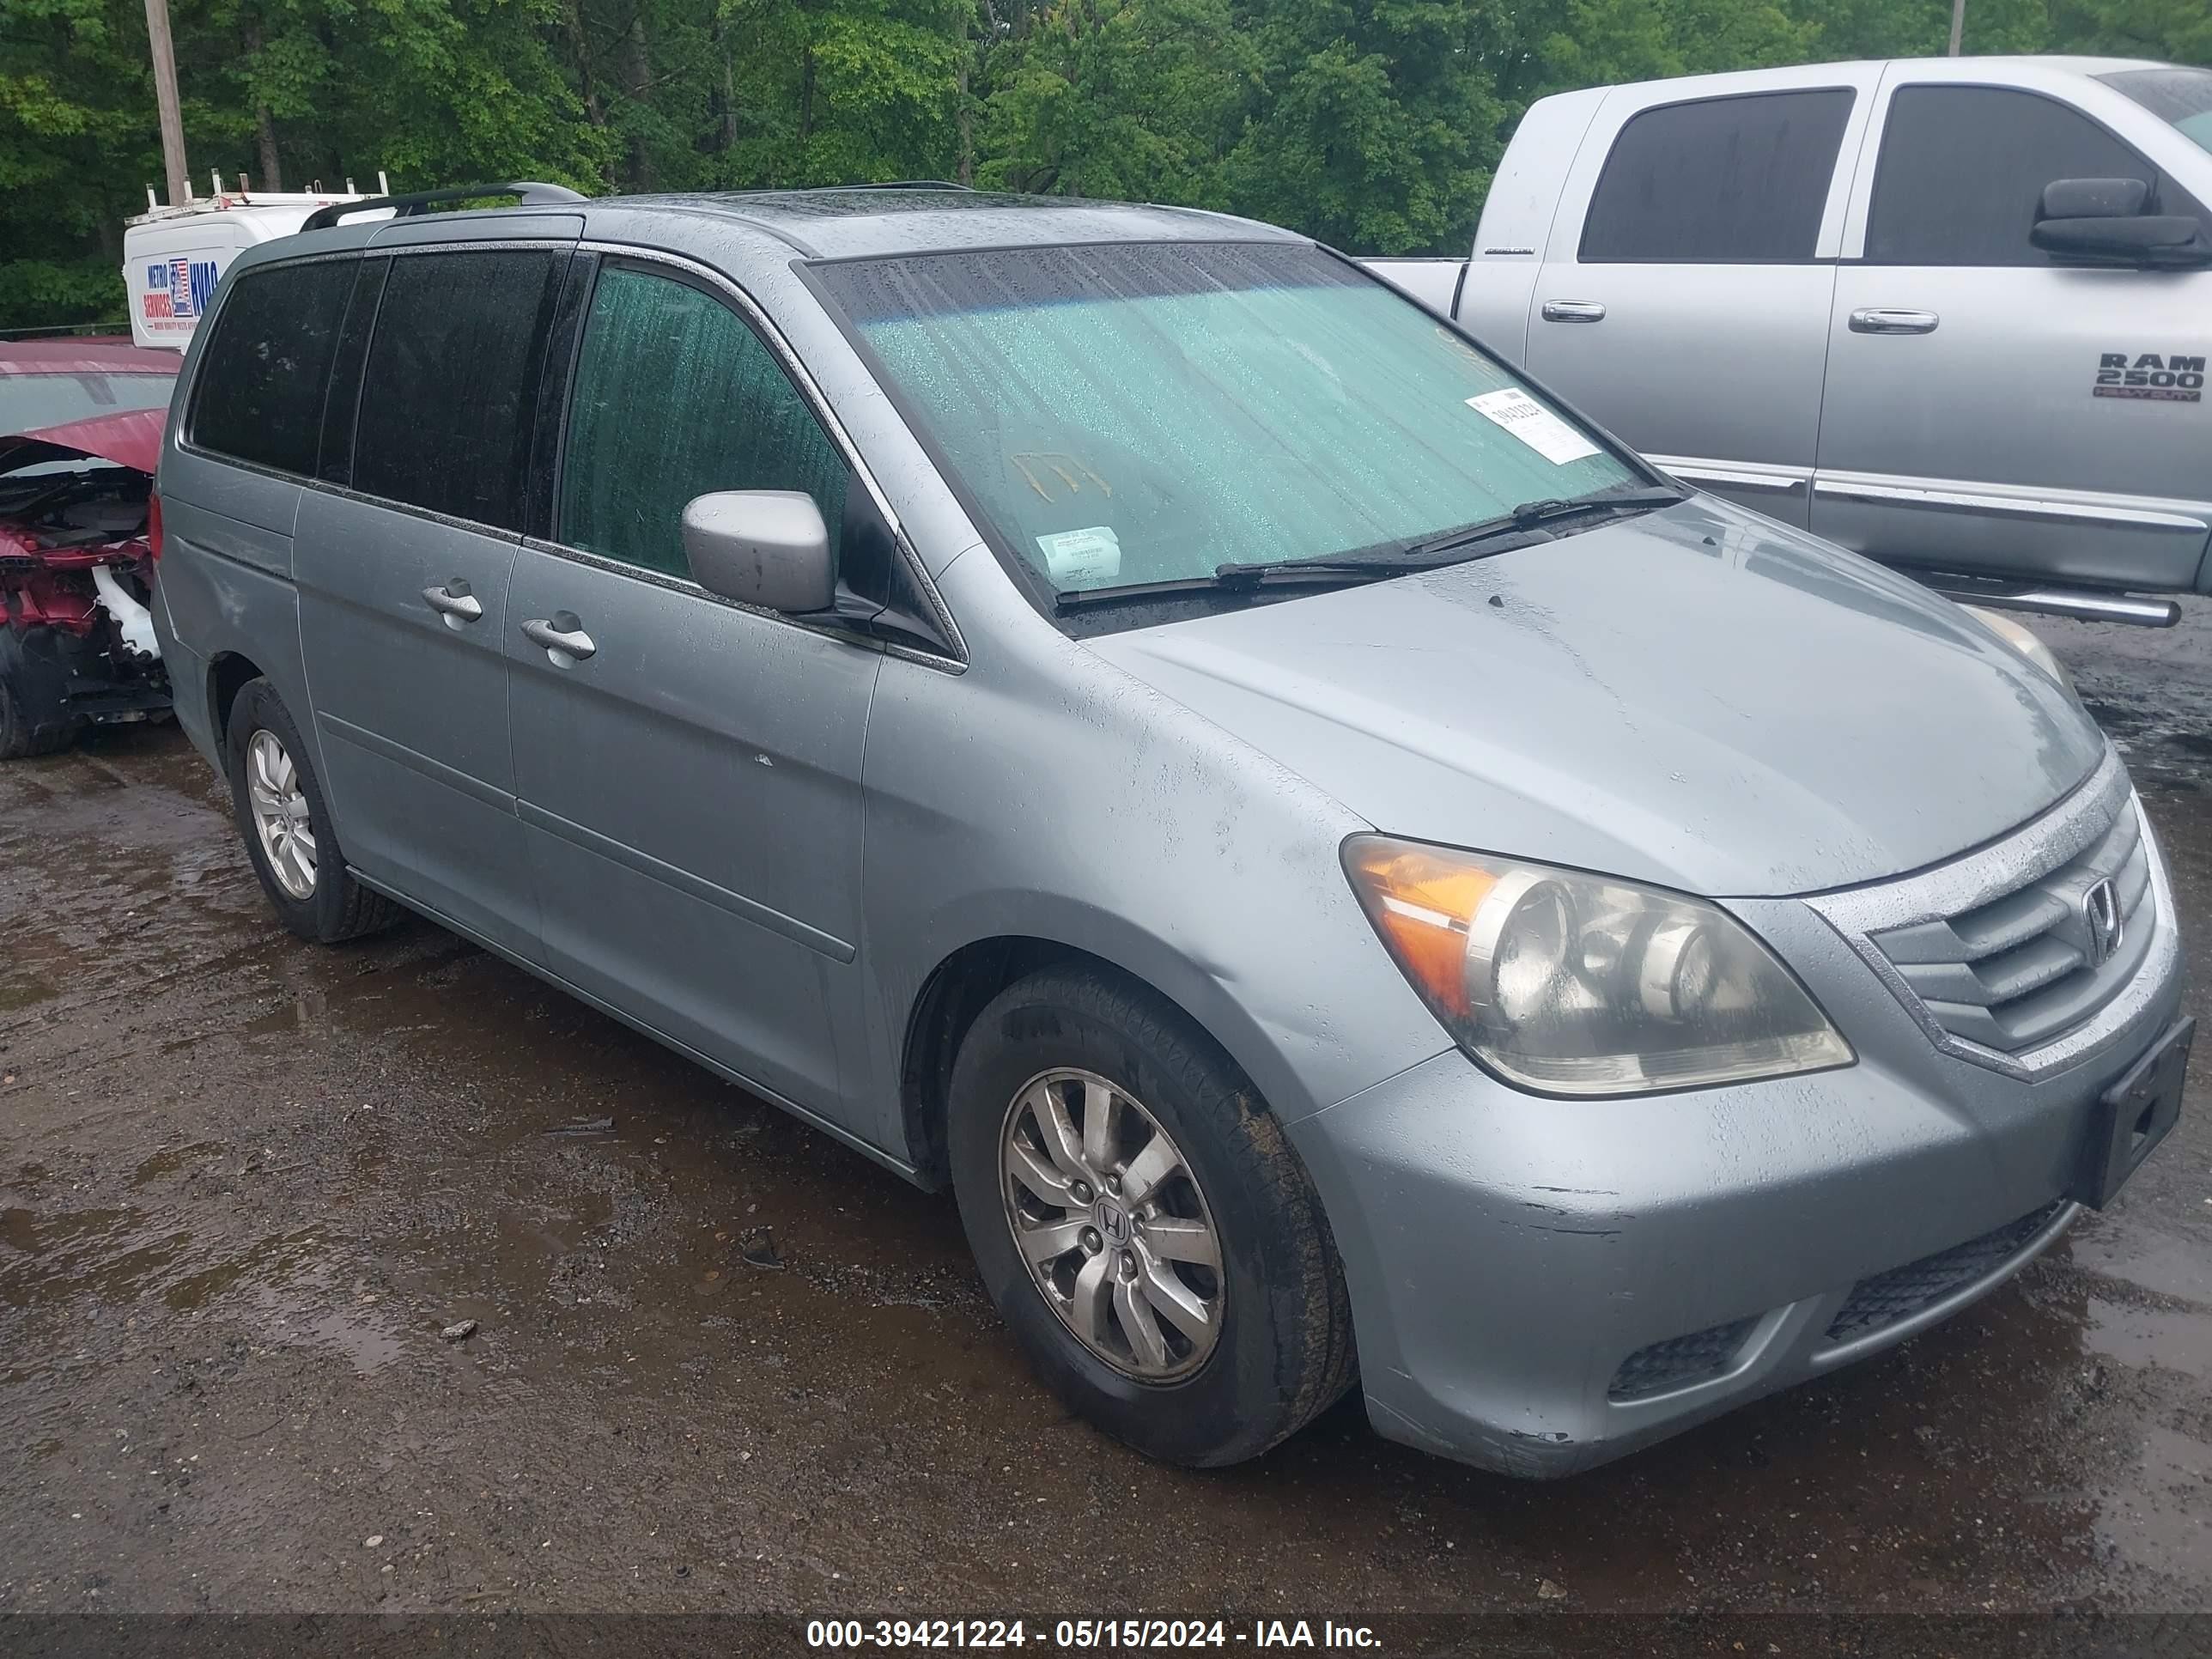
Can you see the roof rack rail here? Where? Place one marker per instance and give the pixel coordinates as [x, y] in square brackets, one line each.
[406, 207]
[826, 189]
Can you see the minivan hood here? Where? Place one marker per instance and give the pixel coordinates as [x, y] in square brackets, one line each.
[1699, 697]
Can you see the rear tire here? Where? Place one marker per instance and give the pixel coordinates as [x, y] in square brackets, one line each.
[285, 821]
[1280, 1350]
[31, 722]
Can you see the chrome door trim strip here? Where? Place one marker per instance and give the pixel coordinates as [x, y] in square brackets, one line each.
[1943, 496]
[1757, 478]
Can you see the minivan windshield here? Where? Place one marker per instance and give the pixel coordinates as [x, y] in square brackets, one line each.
[2180, 97]
[1136, 413]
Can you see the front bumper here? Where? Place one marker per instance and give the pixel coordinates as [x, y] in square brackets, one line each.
[1542, 1286]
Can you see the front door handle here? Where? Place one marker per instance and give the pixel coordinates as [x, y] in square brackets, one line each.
[455, 602]
[1874, 320]
[562, 633]
[1573, 311]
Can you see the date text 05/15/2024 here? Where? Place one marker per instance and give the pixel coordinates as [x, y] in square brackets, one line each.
[1085, 1635]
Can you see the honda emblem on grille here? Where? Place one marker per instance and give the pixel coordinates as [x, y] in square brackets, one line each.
[2101, 908]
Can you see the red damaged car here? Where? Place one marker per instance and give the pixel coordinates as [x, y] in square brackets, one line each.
[82, 421]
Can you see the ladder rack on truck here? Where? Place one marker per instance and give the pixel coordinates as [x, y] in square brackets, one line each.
[174, 255]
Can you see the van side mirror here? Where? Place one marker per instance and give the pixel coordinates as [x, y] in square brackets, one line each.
[764, 547]
[2103, 221]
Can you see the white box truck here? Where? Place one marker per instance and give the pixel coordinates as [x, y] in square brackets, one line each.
[174, 256]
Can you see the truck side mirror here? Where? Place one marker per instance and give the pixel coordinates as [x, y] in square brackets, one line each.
[2102, 222]
[764, 547]
[2093, 198]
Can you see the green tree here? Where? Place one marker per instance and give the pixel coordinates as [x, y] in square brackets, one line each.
[1372, 123]
[76, 138]
[1139, 99]
[1378, 123]
[2179, 31]
[1921, 28]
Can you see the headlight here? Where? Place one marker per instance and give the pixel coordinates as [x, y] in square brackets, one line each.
[2025, 641]
[1575, 984]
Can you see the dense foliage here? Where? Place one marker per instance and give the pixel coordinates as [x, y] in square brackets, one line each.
[1373, 123]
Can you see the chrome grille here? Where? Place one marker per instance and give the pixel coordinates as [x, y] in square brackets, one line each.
[2018, 967]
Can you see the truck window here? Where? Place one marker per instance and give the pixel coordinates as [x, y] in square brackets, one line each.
[676, 396]
[1719, 181]
[1963, 168]
[259, 393]
[450, 393]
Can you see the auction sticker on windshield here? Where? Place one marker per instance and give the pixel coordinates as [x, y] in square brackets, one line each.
[1534, 425]
[1082, 558]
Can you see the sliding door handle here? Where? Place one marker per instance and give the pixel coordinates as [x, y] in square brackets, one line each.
[1573, 311]
[1874, 320]
[455, 602]
[569, 640]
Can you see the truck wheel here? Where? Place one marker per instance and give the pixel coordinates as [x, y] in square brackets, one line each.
[1150, 1237]
[31, 722]
[286, 823]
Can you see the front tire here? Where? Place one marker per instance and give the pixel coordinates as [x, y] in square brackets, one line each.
[1148, 1233]
[285, 822]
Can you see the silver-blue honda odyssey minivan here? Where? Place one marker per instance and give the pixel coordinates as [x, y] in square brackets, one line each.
[1346, 871]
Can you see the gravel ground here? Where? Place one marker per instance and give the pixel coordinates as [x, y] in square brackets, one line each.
[247, 1187]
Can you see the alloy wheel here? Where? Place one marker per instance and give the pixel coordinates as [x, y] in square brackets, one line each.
[1109, 1218]
[280, 814]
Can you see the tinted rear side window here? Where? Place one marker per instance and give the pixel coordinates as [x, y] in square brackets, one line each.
[451, 389]
[259, 397]
[1721, 181]
[1963, 168]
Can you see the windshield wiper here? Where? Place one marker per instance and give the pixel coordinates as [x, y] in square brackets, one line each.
[1503, 535]
[1526, 526]
[1543, 514]
[1330, 572]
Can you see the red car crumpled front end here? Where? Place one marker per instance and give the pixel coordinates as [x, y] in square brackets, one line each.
[76, 573]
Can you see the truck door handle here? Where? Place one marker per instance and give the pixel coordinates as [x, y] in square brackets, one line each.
[561, 634]
[1573, 311]
[453, 602]
[1876, 320]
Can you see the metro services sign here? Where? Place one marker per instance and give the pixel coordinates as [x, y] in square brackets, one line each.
[177, 292]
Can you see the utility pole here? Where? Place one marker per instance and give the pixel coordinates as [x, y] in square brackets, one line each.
[1958, 22]
[164, 96]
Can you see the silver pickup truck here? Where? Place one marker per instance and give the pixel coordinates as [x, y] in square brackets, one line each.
[1953, 313]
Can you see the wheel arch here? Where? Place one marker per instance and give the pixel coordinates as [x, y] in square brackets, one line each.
[959, 989]
[228, 673]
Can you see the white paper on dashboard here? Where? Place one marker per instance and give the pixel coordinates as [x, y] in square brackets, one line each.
[1082, 558]
[1534, 425]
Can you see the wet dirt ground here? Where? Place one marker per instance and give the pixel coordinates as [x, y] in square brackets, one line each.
[720, 1363]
